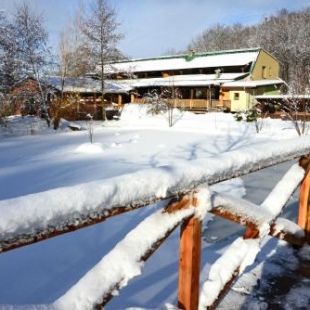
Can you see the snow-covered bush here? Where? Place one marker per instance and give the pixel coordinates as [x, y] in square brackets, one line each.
[166, 101]
[252, 115]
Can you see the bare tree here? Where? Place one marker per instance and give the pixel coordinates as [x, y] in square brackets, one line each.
[274, 35]
[221, 37]
[23, 53]
[8, 51]
[32, 55]
[286, 35]
[173, 101]
[73, 61]
[74, 53]
[167, 101]
[296, 109]
[6, 64]
[65, 59]
[32, 43]
[100, 29]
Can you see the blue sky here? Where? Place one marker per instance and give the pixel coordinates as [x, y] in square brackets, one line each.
[153, 27]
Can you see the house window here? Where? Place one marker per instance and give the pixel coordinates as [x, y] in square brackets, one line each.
[264, 72]
[236, 96]
[270, 71]
[198, 94]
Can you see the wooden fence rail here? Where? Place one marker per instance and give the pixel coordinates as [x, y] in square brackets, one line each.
[184, 202]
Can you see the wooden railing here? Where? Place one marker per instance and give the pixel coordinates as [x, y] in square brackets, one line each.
[188, 199]
[187, 103]
[196, 104]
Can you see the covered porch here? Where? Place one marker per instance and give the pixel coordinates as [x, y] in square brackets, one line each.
[201, 92]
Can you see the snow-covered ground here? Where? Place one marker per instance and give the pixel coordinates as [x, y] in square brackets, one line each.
[37, 159]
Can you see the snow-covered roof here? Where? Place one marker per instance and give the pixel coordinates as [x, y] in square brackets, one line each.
[251, 84]
[186, 61]
[182, 80]
[82, 85]
[288, 96]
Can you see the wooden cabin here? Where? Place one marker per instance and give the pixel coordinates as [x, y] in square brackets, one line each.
[25, 98]
[70, 98]
[82, 96]
[205, 81]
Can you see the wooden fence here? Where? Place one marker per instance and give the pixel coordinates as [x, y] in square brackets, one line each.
[186, 205]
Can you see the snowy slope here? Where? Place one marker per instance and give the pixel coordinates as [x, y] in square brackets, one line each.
[48, 160]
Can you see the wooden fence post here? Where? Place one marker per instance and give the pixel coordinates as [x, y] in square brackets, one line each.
[304, 206]
[189, 264]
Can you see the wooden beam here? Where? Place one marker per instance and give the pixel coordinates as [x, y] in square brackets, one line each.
[224, 290]
[189, 264]
[303, 213]
[145, 256]
[250, 233]
[182, 203]
[289, 238]
[233, 217]
[252, 228]
[20, 240]
[304, 196]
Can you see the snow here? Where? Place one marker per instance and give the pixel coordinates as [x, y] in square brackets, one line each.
[252, 84]
[182, 80]
[90, 148]
[53, 176]
[121, 264]
[283, 190]
[286, 97]
[82, 85]
[27, 125]
[288, 226]
[203, 60]
[240, 254]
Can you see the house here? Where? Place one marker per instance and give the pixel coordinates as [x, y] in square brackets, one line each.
[70, 98]
[204, 81]
[25, 97]
[82, 96]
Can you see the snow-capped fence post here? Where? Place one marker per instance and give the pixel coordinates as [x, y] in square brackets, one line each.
[189, 263]
[304, 196]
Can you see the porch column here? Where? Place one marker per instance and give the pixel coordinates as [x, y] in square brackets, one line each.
[132, 97]
[119, 99]
[191, 98]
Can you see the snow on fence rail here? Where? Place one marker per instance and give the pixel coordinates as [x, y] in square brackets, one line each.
[186, 190]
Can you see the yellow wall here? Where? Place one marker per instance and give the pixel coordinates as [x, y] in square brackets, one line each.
[224, 94]
[271, 65]
[246, 97]
[242, 103]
